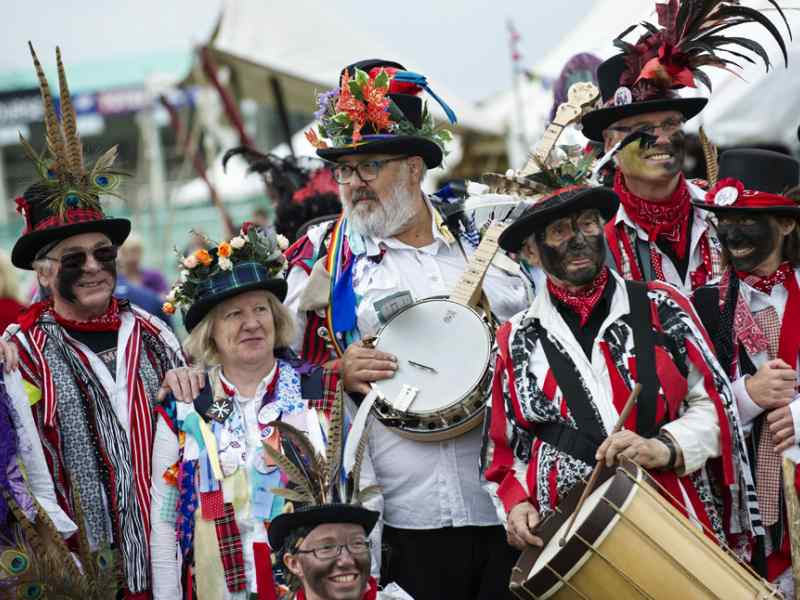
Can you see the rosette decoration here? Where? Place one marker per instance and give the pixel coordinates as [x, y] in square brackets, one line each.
[691, 35]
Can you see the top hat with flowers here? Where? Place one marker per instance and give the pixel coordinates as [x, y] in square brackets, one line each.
[754, 181]
[251, 260]
[65, 200]
[690, 35]
[376, 109]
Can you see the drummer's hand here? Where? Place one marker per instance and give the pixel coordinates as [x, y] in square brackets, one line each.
[773, 385]
[9, 355]
[650, 453]
[522, 520]
[184, 383]
[781, 424]
[362, 365]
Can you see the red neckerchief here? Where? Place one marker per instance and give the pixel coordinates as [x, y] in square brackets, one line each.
[765, 284]
[370, 594]
[583, 301]
[108, 321]
[666, 219]
[789, 345]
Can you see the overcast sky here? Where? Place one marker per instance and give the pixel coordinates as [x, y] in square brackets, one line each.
[457, 37]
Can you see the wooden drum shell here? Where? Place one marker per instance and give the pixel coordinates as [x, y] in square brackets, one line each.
[650, 551]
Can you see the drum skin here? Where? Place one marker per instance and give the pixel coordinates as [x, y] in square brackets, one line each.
[454, 342]
[651, 552]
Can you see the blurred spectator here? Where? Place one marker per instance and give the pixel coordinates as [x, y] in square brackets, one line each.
[130, 266]
[581, 67]
[9, 293]
[261, 217]
[141, 296]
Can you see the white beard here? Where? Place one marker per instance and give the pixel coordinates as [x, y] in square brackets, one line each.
[383, 219]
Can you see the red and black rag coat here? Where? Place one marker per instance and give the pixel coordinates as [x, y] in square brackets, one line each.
[694, 403]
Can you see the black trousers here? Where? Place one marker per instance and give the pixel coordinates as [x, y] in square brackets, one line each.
[455, 563]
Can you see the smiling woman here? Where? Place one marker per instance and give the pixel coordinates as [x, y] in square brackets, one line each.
[223, 429]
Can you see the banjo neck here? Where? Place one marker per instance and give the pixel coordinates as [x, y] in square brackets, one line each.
[468, 289]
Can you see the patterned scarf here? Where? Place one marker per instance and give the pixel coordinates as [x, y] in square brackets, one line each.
[370, 594]
[108, 321]
[765, 284]
[666, 219]
[583, 301]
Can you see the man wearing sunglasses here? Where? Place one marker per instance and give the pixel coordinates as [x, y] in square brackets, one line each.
[90, 365]
[390, 249]
[656, 234]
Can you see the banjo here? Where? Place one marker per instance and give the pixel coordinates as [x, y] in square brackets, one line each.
[443, 344]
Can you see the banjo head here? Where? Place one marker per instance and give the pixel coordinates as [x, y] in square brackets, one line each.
[443, 350]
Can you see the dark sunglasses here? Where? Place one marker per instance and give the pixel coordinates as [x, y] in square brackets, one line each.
[76, 260]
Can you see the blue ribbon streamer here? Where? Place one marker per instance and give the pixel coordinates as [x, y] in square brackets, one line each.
[422, 81]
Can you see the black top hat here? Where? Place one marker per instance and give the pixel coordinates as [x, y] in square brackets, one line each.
[46, 225]
[560, 204]
[407, 106]
[754, 180]
[311, 516]
[619, 103]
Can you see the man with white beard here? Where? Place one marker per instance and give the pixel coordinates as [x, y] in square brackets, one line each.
[389, 249]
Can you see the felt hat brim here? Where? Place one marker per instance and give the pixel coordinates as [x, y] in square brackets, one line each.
[282, 525]
[597, 121]
[199, 309]
[398, 145]
[28, 246]
[601, 198]
[776, 211]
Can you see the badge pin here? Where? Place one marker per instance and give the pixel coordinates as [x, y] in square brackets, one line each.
[726, 196]
[623, 96]
[220, 409]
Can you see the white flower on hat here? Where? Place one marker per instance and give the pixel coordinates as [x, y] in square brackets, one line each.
[190, 262]
[283, 243]
[238, 242]
[171, 296]
[184, 274]
[225, 263]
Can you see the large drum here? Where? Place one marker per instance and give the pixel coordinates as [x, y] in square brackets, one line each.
[629, 542]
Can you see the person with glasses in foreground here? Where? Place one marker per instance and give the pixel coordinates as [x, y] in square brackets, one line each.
[389, 249]
[91, 365]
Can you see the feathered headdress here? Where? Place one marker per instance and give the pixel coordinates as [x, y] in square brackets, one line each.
[317, 480]
[69, 182]
[690, 36]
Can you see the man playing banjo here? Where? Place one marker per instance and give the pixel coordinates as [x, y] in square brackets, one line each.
[566, 366]
[389, 250]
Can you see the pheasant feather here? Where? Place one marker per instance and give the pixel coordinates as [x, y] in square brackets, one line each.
[74, 149]
[333, 452]
[54, 135]
[295, 475]
[710, 154]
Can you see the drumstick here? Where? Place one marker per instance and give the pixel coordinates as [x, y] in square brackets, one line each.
[598, 467]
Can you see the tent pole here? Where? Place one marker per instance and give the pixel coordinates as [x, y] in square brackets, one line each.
[283, 115]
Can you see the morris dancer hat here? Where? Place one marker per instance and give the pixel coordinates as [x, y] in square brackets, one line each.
[645, 77]
[754, 181]
[65, 199]
[559, 204]
[252, 260]
[377, 110]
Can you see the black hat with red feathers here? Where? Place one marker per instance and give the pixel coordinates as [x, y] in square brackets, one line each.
[645, 77]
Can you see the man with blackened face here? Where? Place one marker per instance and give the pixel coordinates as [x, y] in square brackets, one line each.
[753, 316]
[655, 235]
[582, 346]
[92, 365]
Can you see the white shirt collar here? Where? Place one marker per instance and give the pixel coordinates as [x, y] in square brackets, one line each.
[260, 390]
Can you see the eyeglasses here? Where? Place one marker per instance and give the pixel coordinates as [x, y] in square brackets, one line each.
[76, 260]
[588, 223]
[331, 551]
[367, 170]
[667, 127]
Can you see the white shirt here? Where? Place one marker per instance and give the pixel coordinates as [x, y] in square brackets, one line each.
[425, 485]
[757, 301]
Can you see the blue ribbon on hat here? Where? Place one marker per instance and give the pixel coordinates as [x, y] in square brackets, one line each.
[422, 81]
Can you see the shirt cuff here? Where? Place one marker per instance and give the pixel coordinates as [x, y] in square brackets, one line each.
[689, 446]
[510, 492]
[748, 410]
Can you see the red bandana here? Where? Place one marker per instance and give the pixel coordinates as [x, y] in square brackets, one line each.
[108, 321]
[666, 219]
[765, 284]
[583, 301]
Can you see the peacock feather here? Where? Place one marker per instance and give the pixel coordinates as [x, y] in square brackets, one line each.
[60, 168]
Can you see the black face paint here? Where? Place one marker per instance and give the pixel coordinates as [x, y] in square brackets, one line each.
[68, 276]
[761, 237]
[555, 258]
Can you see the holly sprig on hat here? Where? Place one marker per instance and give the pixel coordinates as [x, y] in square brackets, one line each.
[252, 244]
[363, 99]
